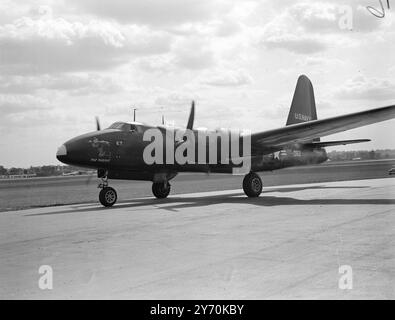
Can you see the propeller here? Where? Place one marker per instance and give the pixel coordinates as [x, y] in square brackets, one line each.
[191, 116]
[98, 128]
[88, 180]
[190, 125]
[97, 124]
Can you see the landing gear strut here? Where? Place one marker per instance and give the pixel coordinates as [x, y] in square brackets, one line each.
[252, 185]
[107, 196]
[161, 189]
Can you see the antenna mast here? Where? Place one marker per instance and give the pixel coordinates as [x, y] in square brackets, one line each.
[134, 114]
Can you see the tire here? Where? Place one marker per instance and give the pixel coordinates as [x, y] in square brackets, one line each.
[252, 185]
[161, 190]
[108, 196]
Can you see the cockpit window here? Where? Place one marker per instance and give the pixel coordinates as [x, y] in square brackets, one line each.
[124, 127]
[117, 125]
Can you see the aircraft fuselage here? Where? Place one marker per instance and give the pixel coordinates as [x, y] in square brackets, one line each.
[120, 153]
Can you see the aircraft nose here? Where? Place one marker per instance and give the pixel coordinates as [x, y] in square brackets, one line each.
[61, 153]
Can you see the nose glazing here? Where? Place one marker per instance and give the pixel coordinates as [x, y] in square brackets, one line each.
[62, 152]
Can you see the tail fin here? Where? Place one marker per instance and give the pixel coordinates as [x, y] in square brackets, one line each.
[303, 102]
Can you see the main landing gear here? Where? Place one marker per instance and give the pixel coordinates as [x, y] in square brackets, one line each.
[161, 189]
[252, 185]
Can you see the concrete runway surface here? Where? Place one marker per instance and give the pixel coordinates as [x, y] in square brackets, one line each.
[288, 243]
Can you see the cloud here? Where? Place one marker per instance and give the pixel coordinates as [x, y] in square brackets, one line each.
[311, 27]
[175, 99]
[286, 31]
[12, 105]
[362, 88]
[76, 84]
[364, 21]
[227, 78]
[315, 16]
[295, 43]
[319, 61]
[227, 28]
[149, 12]
[158, 63]
[194, 53]
[325, 17]
[47, 44]
[315, 64]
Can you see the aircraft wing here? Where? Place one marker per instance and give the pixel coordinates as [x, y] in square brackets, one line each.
[306, 131]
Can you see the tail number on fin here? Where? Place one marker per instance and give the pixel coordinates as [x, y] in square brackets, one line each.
[302, 117]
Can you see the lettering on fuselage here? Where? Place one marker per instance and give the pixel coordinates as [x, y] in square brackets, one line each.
[299, 116]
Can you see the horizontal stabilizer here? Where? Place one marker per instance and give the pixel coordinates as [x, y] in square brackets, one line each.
[334, 143]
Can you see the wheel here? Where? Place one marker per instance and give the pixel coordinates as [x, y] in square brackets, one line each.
[107, 196]
[252, 185]
[161, 190]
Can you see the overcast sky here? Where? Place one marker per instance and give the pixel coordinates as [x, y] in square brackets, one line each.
[64, 62]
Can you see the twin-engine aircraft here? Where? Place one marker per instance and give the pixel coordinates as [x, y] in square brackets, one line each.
[136, 151]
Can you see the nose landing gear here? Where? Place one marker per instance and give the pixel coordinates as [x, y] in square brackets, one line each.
[107, 196]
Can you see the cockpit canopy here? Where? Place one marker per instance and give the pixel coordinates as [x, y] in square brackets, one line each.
[125, 126]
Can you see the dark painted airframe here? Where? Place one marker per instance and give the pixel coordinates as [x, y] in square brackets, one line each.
[117, 152]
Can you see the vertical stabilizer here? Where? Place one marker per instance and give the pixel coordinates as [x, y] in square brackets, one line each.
[303, 102]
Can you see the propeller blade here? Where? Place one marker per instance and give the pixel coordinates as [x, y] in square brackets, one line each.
[191, 116]
[88, 180]
[97, 124]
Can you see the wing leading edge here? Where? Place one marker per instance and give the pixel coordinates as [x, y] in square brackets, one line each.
[306, 131]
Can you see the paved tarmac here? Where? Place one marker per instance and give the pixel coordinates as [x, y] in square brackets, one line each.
[289, 243]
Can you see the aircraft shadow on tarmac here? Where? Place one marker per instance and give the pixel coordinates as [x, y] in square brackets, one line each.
[175, 203]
